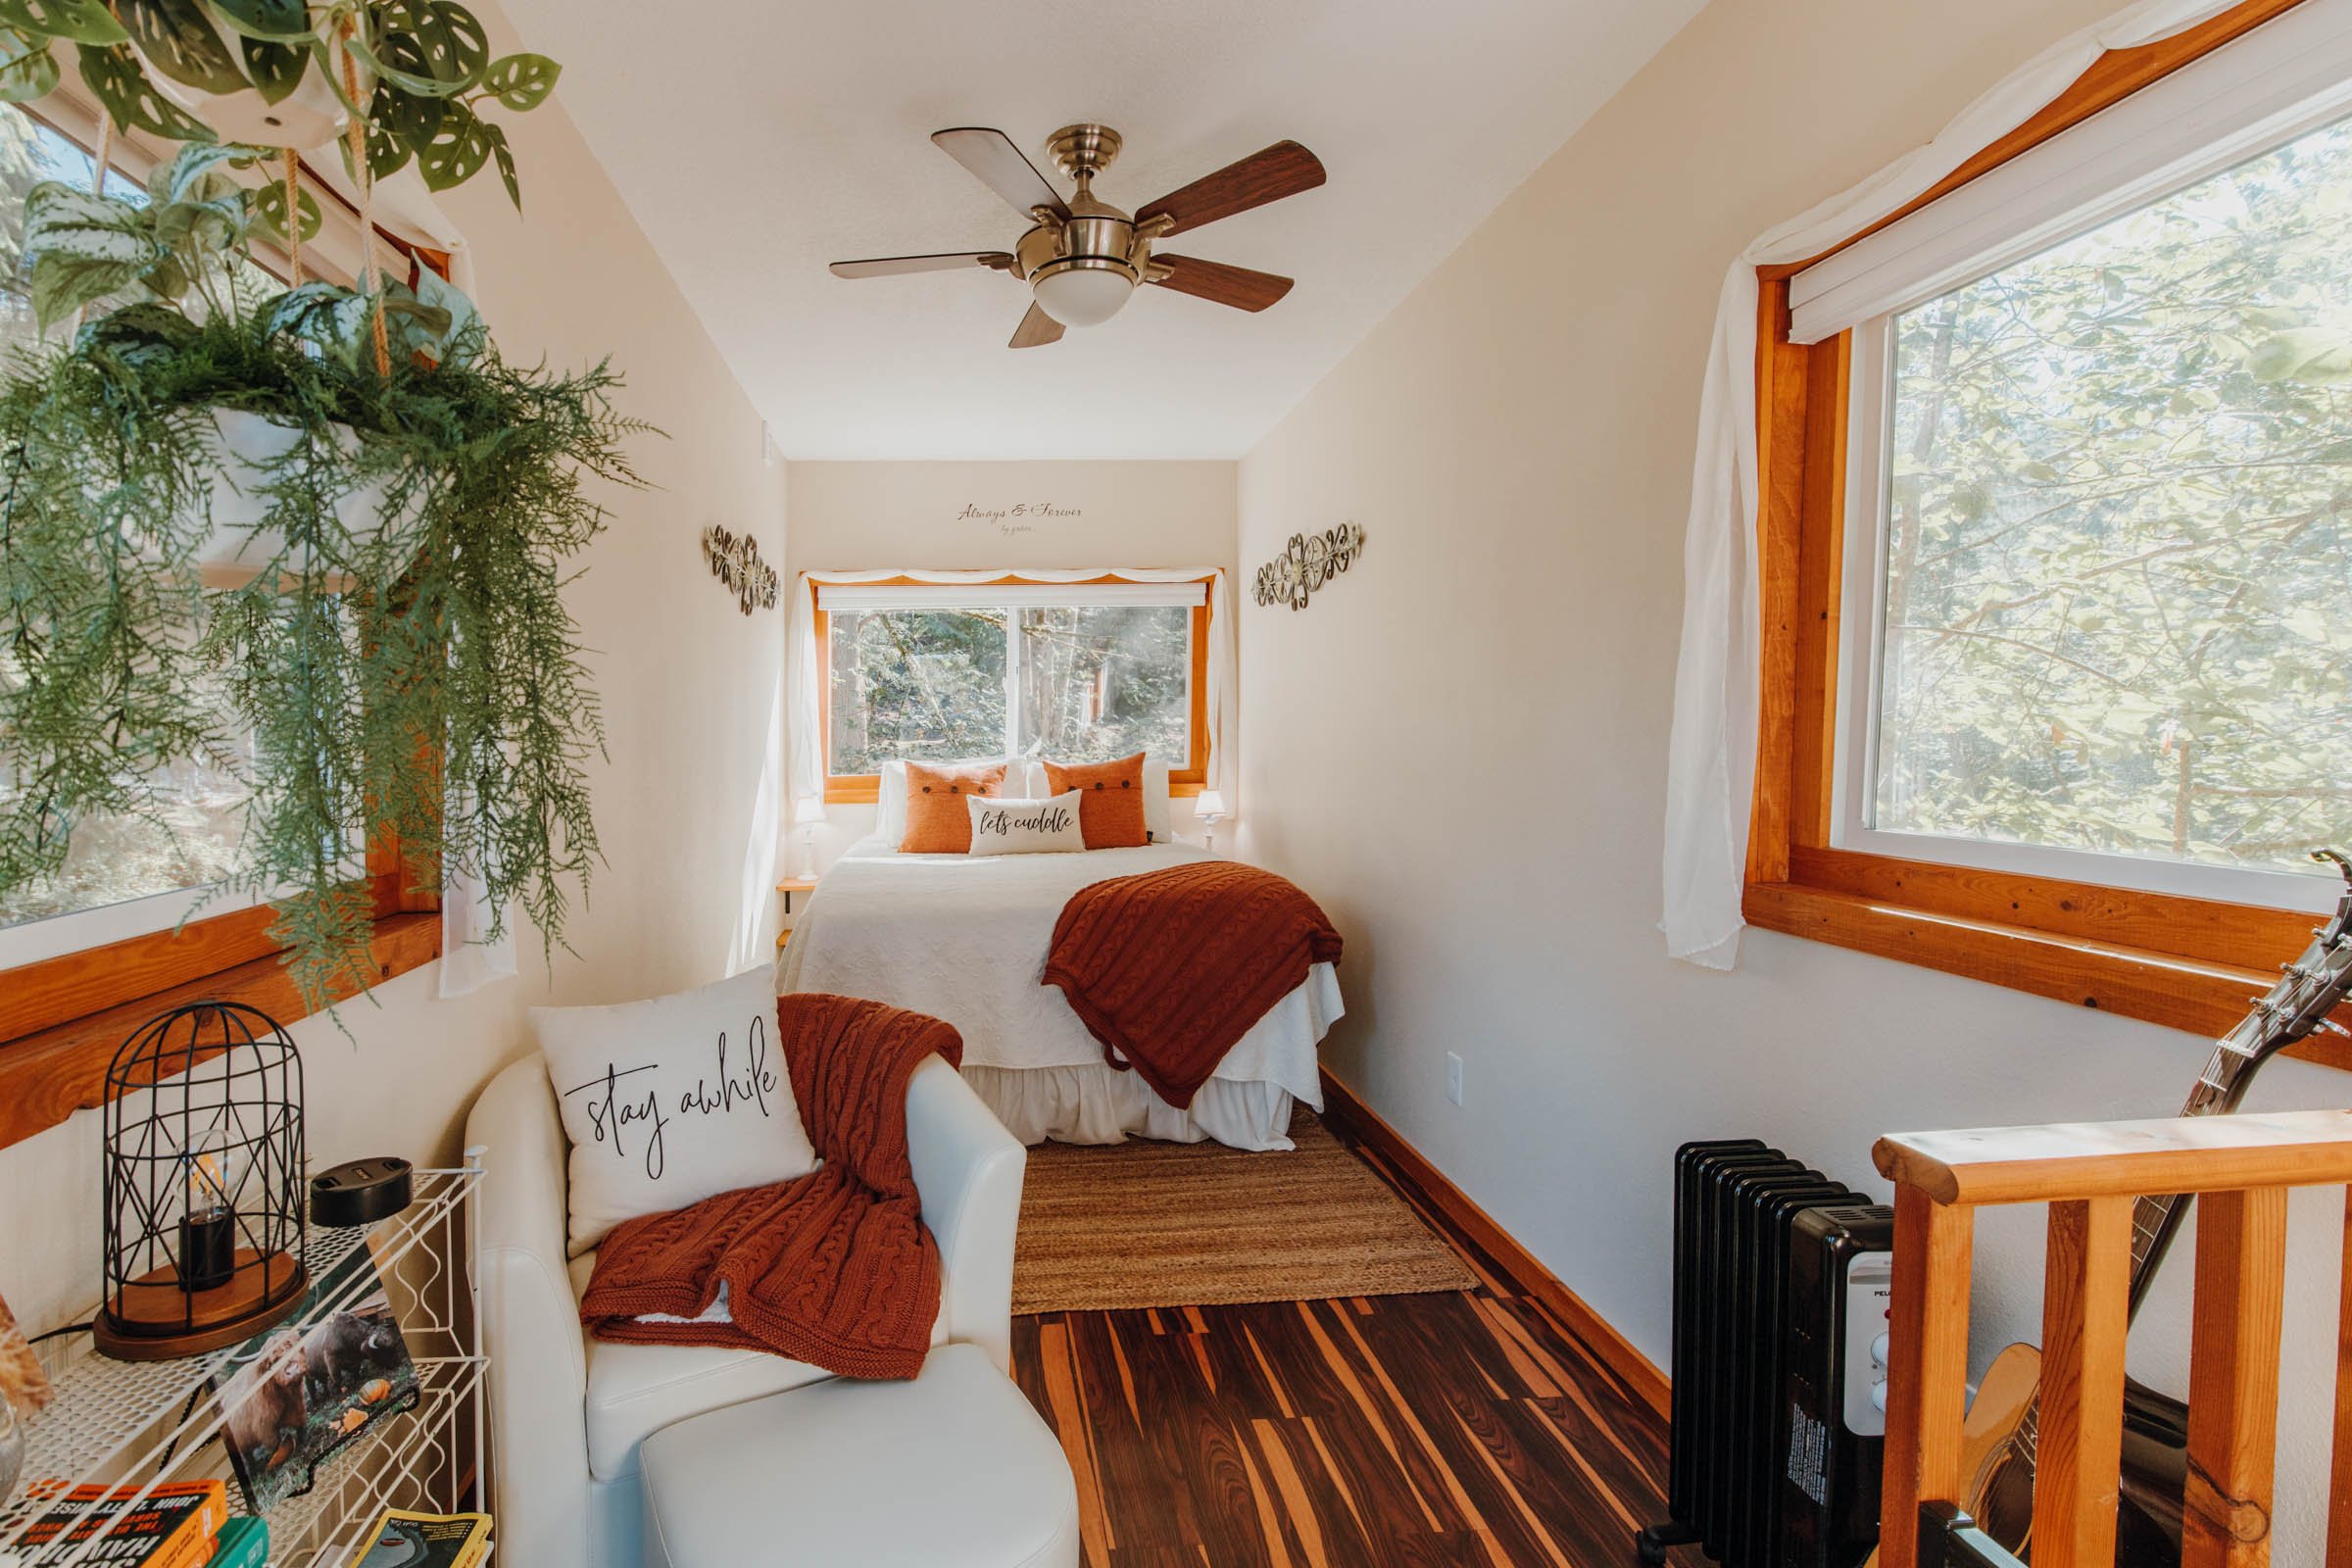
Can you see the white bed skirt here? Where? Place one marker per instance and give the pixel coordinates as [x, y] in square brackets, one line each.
[1100, 1104]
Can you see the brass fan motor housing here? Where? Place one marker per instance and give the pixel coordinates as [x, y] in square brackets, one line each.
[1097, 237]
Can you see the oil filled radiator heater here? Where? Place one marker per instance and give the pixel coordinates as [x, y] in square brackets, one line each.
[1781, 1284]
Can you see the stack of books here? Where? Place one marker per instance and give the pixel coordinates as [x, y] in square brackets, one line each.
[176, 1524]
[404, 1540]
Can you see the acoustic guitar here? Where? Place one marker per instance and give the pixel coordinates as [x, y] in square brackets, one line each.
[2003, 1429]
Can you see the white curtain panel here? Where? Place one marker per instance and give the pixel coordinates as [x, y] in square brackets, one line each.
[1711, 764]
[805, 717]
[754, 890]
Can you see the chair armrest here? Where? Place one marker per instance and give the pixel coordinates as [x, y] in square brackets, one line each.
[537, 1378]
[968, 1170]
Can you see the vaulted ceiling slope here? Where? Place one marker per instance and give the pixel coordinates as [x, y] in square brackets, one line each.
[757, 140]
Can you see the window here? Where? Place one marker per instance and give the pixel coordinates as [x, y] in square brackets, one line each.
[108, 941]
[123, 873]
[1079, 673]
[2114, 581]
[2056, 590]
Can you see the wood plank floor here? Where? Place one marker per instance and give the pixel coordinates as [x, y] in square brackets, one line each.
[1393, 1432]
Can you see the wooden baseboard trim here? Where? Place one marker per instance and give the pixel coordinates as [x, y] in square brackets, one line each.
[1345, 1110]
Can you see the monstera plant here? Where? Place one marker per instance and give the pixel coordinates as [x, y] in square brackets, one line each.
[415, 74]
[399, 503]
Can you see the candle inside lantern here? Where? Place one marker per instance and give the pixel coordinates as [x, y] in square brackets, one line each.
[208, 1226]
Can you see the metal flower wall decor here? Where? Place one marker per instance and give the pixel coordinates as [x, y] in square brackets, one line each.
[1311, 561]
[737, 563]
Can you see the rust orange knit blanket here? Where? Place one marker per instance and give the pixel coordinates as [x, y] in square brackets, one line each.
[834, 1268]
[1169, 968]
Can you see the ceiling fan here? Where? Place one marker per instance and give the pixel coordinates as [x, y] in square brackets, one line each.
[1084, 257]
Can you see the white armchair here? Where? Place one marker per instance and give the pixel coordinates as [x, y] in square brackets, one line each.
[567, 1414]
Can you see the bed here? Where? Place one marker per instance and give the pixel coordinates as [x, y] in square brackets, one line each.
[965, 939]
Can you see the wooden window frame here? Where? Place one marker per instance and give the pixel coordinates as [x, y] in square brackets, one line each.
[62, 1018]
[2191, 963]
[865, 789]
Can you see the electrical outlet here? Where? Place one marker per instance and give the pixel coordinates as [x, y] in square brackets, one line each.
[1453, 1076]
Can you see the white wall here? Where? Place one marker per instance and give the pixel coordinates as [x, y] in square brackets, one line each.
[854, 516]
[1479, 808]
[688, 686]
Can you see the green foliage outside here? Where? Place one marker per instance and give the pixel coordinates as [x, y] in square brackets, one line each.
[1095, 682]
[2118, 607]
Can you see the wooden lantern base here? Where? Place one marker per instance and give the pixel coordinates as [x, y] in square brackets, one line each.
[154, 1319]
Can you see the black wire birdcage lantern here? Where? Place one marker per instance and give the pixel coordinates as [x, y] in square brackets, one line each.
[203, 1183]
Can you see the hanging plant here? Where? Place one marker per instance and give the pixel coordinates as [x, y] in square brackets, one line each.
[407, 503]
[416, 75]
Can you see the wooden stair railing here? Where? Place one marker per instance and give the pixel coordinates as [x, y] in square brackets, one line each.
[2242, 1168]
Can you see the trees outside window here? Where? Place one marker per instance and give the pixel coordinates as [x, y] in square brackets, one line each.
[190, 837]
[1081, 683]
[2117, 607]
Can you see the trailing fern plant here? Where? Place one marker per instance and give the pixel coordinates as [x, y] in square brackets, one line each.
[406, 664]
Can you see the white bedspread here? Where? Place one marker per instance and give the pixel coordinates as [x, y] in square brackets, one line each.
[965, 939]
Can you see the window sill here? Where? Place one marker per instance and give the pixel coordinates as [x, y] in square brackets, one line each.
[2202, 996]
[48, 1074]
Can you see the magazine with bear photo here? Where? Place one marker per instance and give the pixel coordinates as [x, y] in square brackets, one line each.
[295, 1394]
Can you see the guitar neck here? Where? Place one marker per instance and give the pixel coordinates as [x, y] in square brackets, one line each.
[2156, 1218]
[2295, 1007]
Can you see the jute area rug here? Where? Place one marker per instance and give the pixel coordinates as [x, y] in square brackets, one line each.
[1152, 1224]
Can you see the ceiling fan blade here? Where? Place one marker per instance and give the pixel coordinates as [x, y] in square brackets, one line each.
[1036, 330]
[891, 265]
[1237, 286]
[991, 155]
[1283, 170]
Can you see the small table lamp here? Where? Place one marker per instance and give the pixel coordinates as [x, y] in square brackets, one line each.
[1210, 808]
[806, 812]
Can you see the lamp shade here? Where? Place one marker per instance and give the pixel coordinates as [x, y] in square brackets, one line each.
[1209, 807]
[807, 808]
[1082, 296]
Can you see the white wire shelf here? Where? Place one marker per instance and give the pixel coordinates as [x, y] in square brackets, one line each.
[136, 1424]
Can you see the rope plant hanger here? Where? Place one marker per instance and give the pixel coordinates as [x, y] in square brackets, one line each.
[396, 505]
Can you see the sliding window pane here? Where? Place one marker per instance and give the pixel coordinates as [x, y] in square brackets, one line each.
[2117, 607]
[1105, 681]
[190, 834]
[921, 685]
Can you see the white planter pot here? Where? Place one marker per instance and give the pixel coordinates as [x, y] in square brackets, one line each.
[245, 444]
[310, 115]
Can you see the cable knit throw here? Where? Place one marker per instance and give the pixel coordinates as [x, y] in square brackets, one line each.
[833, 1268]
[1170, 968]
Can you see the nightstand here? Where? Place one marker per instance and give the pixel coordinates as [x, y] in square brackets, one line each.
[790, 888]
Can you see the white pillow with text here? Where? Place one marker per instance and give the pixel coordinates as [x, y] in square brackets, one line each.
[1026, 827]
[670, 1101]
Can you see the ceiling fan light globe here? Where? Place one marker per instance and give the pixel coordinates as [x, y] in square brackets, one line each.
[1083, 296]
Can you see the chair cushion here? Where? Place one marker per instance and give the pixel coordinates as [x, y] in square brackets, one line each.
[952, 1469]
[634, 1391]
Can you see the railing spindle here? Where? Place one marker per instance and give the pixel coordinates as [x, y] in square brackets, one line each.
[1927, 1377]
[2339, 1488]
[2234, 1378]
[2086, 1317]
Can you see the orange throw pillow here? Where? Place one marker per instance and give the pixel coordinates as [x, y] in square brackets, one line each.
[1111, 800]
[939, 819]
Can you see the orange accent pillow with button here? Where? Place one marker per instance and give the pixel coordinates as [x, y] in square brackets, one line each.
[939, 816]
[1111, 800]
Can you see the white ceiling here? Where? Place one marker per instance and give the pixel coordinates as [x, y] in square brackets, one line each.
[761, 139]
